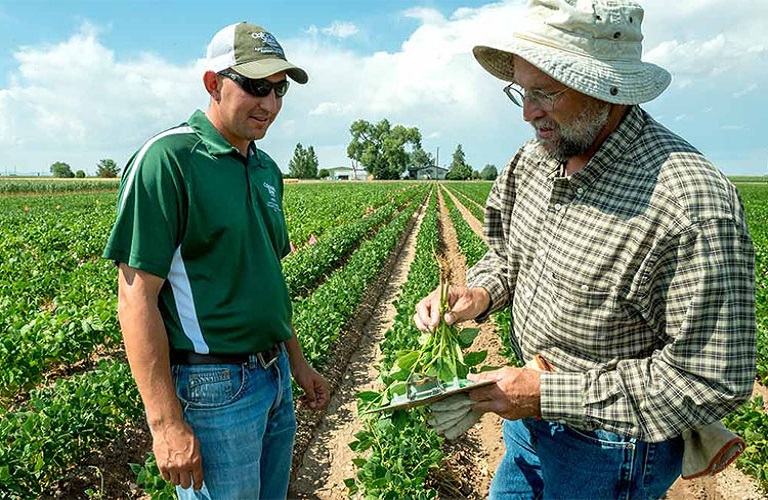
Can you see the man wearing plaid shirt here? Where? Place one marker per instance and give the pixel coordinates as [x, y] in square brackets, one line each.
[625, 258]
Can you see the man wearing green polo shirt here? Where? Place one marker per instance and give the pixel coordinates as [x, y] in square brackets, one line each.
[203, 304]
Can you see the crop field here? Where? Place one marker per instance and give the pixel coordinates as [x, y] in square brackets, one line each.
[67, 399]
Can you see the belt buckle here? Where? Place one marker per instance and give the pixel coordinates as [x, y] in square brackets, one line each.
[266, 364]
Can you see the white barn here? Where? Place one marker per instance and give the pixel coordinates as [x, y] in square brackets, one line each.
[346, 174]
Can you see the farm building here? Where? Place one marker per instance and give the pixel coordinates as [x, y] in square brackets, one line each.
[427, 173]
[346, 174]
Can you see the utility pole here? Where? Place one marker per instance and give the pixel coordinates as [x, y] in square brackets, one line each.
[437, 162]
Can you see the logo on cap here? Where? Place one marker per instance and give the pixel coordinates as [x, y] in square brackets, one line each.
[268, 45]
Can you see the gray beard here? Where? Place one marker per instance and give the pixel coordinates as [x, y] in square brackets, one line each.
[578, 136]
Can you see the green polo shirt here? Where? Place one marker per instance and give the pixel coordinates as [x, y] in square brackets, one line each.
[193, 211]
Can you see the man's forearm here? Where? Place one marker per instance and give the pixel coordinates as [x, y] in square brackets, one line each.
[293, 347]
[146, 345]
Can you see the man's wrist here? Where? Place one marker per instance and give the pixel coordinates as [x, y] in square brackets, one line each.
[482, 298]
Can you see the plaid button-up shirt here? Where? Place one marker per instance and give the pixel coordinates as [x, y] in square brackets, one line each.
[634, 278]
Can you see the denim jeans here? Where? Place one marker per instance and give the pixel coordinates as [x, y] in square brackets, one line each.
[548, 460]
[243, 416]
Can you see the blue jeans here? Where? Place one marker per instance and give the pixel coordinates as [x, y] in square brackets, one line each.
[243, 416]
[549, 460]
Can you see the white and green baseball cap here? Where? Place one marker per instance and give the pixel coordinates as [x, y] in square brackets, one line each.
[251, 51]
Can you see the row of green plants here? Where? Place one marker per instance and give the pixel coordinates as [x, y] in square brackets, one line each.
[16, 186]
[469, 203]
[305, 267]
[323, 315]
[24, 440]
[472, 246]
[60, 425]
[476, 192]
[396, 452]
[311, 209]
[58, 296]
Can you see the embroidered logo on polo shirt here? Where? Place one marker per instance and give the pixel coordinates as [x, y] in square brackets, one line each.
[272, 202]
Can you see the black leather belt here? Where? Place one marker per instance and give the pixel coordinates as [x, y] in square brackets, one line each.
[265, 358]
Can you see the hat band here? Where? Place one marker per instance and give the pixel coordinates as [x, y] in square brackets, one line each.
[581, 53]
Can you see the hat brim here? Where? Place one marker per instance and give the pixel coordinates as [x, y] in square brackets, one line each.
[616, 82]
[268, 67]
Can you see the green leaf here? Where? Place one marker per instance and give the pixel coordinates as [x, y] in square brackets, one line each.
[475, 358]
[399, 375]
[407, 360]
[467, 336]
[398, 388]
[489, 368]
[368, 396]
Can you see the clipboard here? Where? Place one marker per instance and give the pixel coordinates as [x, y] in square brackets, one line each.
[426, 392]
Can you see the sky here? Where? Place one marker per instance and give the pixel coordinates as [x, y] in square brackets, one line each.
[85, 80]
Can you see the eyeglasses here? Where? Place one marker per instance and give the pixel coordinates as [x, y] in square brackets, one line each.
[259, 88]
[543, 100]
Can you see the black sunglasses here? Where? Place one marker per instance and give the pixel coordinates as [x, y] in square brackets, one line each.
[258, 88]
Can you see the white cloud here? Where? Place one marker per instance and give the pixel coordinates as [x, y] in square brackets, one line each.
[337, 29]
[748, 90]
[80, 101]
[699, 41]
[341, 29]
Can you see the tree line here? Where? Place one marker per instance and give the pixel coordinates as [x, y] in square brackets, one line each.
[387, 152]
[106, 168]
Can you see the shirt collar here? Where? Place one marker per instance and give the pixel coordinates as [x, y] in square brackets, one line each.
[615, 145]
[211, 138]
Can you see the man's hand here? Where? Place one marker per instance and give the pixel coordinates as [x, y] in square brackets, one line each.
[466, 303]
[516, 393]
[453, 416]
[177, 452]
[316, 394]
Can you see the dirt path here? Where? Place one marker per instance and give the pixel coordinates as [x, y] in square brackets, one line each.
[482, 446]
[475, 224]
[328, 459]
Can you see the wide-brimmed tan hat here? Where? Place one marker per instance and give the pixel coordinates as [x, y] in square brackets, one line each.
[251, 51]
[591, 46]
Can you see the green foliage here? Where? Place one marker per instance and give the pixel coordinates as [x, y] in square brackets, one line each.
[402, 454]
[421, 159]
[148, 478]
[384, 470]
[43, 185]
[459, 170]
[304, 163]
[751, 423]
[59, 426]
[323, 173]
[321, 316]
[107, 168]
[61, 169]
[473, 248]
[489, 173]
[382, 149]
[80, 174]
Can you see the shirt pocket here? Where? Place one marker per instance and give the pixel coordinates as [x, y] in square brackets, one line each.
[589, 316]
